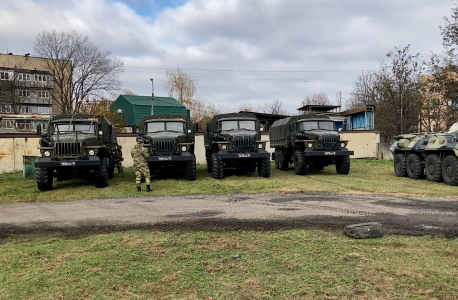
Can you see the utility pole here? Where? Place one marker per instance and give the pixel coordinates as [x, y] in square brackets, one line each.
[152, 97]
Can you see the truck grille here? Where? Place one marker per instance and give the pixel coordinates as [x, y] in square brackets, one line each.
[243, 144]
[164, 146]
[68, 148]
[329, 142]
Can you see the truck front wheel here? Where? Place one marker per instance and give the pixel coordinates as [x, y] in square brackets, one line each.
[101, 174]
[217, 166]
[191, 170]
[343, 165]
[300, 165]
[283, 160]
[264, 168]
[44, 178]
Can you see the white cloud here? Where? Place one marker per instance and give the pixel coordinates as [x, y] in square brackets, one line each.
[260, 39]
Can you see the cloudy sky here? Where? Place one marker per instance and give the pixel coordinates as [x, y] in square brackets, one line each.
[240, 51]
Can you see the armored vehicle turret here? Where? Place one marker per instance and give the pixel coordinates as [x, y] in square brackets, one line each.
[308, 141]
[77, 145]
[233, 141]
[433, 154]
[170, 140]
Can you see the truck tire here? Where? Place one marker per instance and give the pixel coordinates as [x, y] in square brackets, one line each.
[101, 174]
[217, 167]
[264, 168]
[300, 165]
[283, 160]
[44, 178]
[415, 169]
[343, 165]
[111, 168]
[208, 157]
[400, 165]
[433, 168]
[191, 173]
[450, 170]
[276, 159]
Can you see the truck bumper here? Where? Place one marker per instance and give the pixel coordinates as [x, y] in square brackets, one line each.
[229, 155]
[184, 157]
[328, 153]
[46, 162]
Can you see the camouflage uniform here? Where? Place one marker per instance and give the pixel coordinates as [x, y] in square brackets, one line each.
[139, 154]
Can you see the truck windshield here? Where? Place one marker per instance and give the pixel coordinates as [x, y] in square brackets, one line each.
[166, 126]
[75, 126]
[310, 125]
[238, 124]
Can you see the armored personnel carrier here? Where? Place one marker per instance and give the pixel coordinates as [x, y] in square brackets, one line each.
[170, 140]
[233, 141]
[308, 141]
[76, 146]
[433, 154]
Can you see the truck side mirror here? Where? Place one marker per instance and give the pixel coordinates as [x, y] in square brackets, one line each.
[134, 128]
[39, 129]
[196, 127]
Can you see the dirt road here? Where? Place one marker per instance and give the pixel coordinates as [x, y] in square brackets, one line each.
[398, 215]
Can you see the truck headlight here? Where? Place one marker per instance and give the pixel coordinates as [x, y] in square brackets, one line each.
[224, 147]
[260, 146]
[91, 152]
[184, 149]
[47, 153]
[343, 145]
[310, 145]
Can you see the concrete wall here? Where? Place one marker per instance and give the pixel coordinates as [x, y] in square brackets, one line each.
[14, 149]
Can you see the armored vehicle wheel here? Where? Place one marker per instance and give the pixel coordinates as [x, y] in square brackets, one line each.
[450, 170]
[300, 166]
[283, 160]
[415, 169]
[101, 174]
[264, 168]
[111, 167]
[217, 167]
[44, 178]
[191, 170]
[400, 165]
[343, 165]
[433, 168]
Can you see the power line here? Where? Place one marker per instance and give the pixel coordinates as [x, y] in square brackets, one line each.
[248, 70]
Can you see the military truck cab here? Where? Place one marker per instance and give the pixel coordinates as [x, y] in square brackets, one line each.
[308, 141]
[233, 141]
[75, 146]
[170, 140]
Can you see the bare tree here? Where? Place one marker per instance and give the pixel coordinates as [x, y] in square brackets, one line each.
[81, 70]
[181, 85]
[202, 112]
[246, 107]
[275, 107]
[364, 90]
[316, 99]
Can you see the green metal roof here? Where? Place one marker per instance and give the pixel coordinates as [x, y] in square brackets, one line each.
[138, 107]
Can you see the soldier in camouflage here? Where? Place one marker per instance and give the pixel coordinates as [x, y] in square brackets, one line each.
[139, 154]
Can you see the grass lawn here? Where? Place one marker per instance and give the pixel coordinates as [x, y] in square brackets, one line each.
[192, 265]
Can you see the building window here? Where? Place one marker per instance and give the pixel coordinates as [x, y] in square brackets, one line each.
[5, 108]
[5, 75]
[23, 93]
[26, 110]
[25, 125]
[43, 94]
[39, 77]
[7, 124]
[43, 110]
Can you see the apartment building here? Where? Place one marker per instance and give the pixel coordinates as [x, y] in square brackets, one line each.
[26, 92]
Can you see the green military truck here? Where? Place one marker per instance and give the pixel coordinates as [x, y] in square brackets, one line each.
[308, 141]
[233, 140]
[433, 154]
[170, 140]
[75, 146]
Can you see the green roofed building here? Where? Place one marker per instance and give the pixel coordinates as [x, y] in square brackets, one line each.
[137, 107]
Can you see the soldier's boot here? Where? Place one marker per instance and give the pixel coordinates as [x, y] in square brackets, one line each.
[139, 188]
[148, 188]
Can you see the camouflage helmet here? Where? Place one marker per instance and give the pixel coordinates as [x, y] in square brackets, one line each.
[140, 140]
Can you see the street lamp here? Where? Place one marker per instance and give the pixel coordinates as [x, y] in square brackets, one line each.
[152, 96]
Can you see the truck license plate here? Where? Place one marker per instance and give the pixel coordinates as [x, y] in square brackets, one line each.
[67, 163]
[245, 155]
[165, 158]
